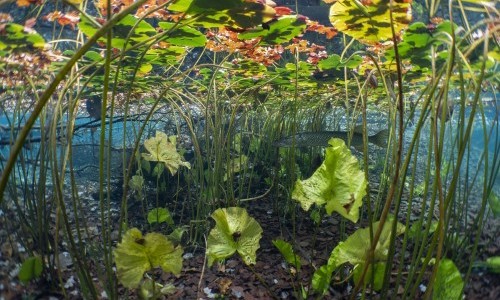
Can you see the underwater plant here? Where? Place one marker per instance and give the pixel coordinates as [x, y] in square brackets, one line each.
[137, 254]
[234, 231]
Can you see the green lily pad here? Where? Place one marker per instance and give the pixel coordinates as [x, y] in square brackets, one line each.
[354, 251]
[234, 231]
[279, 32]
[334, 62]
[229, 13]
[338, 183]
[416, 45]
[370, 23]
[247, 69]
[129, 27]
[137, 254]
[14, 37]
[165, 56]
[183, 35]
[93, 56]
[162, 150]
[449, 283]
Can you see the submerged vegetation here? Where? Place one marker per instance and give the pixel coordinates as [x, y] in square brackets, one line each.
[147, 146]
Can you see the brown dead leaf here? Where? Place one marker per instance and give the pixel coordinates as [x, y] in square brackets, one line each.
[29, 23]
[224, 284]
[5, 18]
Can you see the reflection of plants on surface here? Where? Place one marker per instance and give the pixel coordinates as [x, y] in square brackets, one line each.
[234, 231]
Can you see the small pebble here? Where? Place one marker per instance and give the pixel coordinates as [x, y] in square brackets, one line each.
[70, 282]
[20, 248]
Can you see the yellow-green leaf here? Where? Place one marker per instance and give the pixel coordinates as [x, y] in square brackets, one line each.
[234, 231]
[449, 283]
[230, 13]
[370, 22]
[338, 183]
[162, 150]
[137, 254]
[354, 251]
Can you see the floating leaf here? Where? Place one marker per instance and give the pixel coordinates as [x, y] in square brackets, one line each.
[144, 69]
[248, 68]
[93, 56]
[165, 56]
[14, 37]
[31, 268]
[448, 284]
[303, 69]
[279, 32]
[229, 13]
[127, 28]
[334, 62]
[234, 231]
[416, 45]
[183, 35]
[338, 183]
[161, 150]
[137, 254]
[354, 251]
[160, 215]
[369, 21]
[287, 251]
